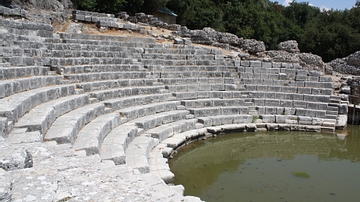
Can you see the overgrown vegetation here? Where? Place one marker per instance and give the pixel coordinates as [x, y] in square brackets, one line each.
[330, 34]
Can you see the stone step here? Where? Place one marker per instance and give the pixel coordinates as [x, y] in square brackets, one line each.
[91, 136]
[42, 116]
[107, 94]
[138, 151]
[100, 68]
[149, 109]
[225, 119]
[155, 120]
[74, 121]
[14, 86]
[186, 68]
[15, 106]
[197, 81]
[177, 140]
[80, 61]
[212, 102]
[135, 100]
[88, 77]
[117, 83]
[207, 94]
[167, 130]
[116, 142]
[195, 74]
[224, 110]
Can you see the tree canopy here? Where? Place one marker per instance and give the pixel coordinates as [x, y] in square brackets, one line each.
[330, 34]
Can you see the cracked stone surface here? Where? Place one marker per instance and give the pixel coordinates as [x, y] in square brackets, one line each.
[61, 174]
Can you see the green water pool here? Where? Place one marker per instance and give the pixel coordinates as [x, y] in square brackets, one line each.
[271, 166]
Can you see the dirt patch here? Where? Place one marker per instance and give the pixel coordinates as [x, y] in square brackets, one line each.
[155, 31]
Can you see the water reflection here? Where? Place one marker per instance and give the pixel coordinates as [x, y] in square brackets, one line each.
[260, 166]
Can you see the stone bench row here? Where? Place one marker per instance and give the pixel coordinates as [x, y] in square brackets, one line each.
[85, 53]
[63, 43]
[256, 63]
[182, 56]
[182, 62]
[253, 83]
[208, 94]
[20, 72]
[119, 83]
[194, 74]
[201, 87]
[41, 117]
[145, 110]
[223, 110]
[152, 121]
[287, 96]
[85, 61]
[179, 49]
[185, 68]
[15, 106]
[17, 12]
[13, 86]
[107, 94]
[87, 45]
[138, 150]
[269, 106]
[91, 137]
[21, 51]
[99, 68]
[287, 71]
[197, 81]
[23, 61]
[284, 76]
[308, 89]
[27, 28]
[87, 77]
[86, 37]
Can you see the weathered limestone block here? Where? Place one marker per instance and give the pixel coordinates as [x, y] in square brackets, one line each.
[138, 152]
[3, 126]
[214, 130]
[234, 127]
[272, 126]
[341, 122]
[13, 158]
[251, 127]
[161, 132]
[268, 118]
[305, 120]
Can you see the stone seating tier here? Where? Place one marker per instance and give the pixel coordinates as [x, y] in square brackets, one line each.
[99, 68]
[186, 68]
[27, 28]
[13, 86]
[87, 77]
[101, 38]
[15, 12]
[21, 72]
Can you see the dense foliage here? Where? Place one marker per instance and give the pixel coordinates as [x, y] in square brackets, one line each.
[330, 34]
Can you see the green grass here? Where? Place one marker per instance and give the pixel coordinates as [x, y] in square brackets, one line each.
[301, 174]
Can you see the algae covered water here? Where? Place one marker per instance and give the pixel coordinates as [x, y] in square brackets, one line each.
[271, 166]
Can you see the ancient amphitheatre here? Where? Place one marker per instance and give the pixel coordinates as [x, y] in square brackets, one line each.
[93, 115]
